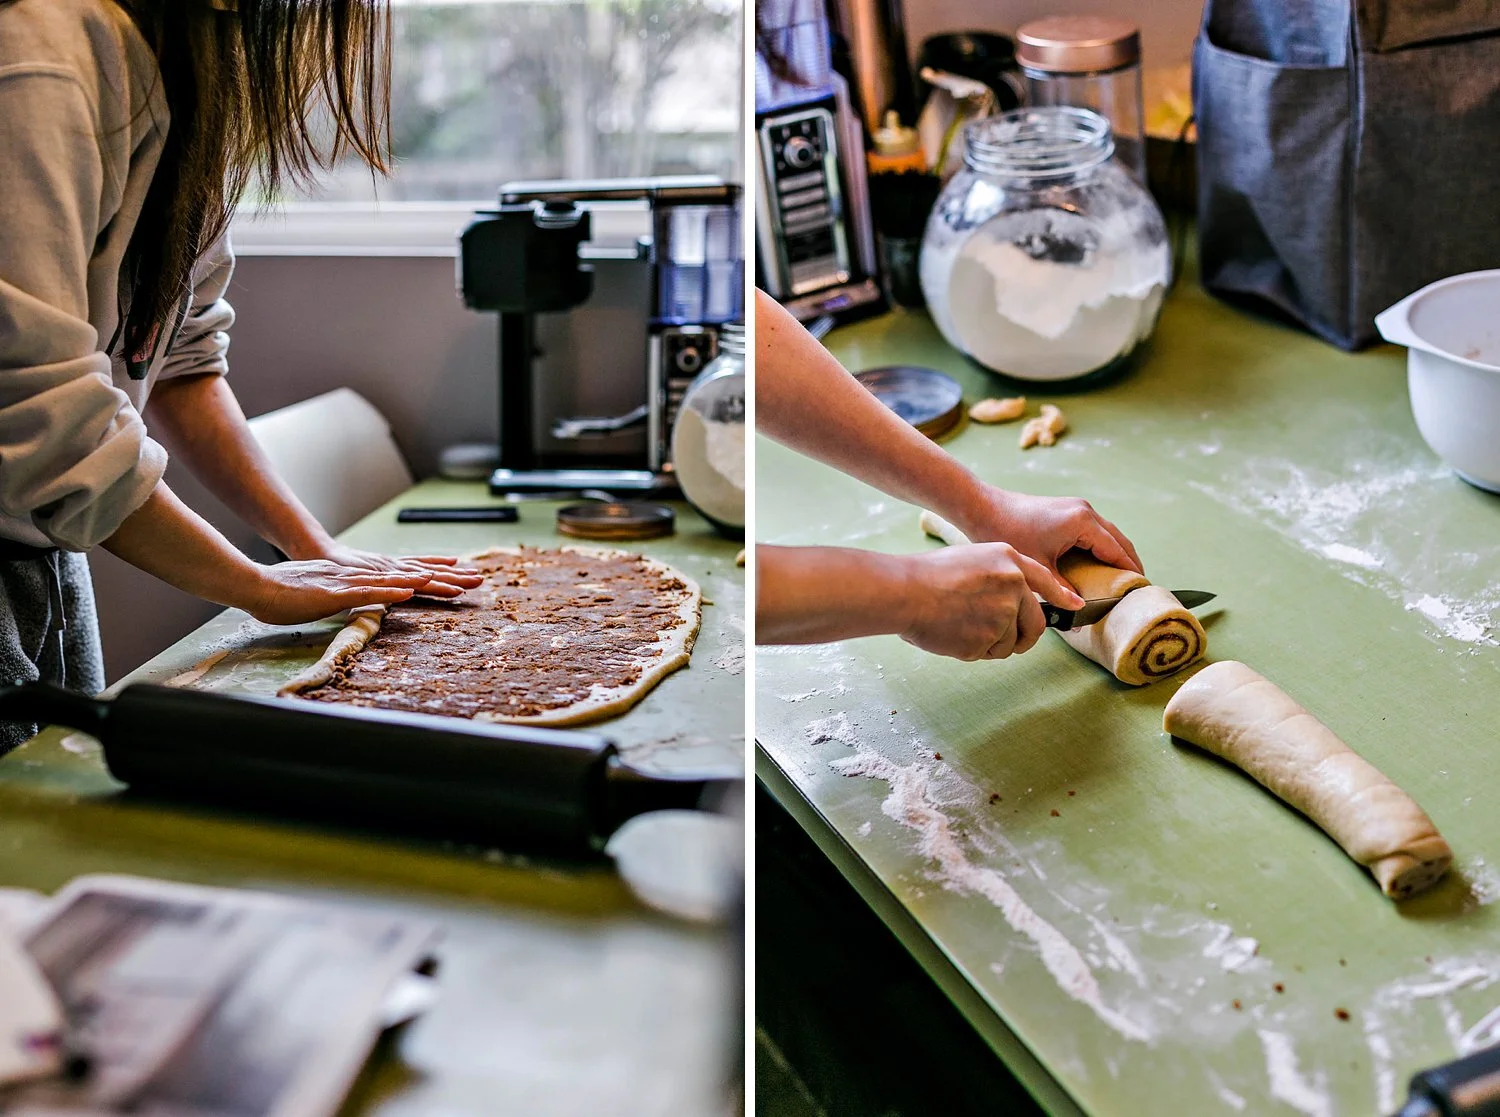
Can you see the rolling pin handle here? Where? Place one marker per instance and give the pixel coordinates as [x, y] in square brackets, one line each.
[1467, 1087]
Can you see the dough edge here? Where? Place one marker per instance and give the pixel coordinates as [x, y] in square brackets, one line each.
[675, 646]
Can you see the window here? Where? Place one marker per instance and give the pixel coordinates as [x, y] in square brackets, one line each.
[486, 91]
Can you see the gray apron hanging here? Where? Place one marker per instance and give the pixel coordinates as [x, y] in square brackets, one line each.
[1348, 153]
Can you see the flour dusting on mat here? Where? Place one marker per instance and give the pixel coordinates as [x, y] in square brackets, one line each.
[911, 804]
[1287, 1081]
[1357, 519]
[1453, 617]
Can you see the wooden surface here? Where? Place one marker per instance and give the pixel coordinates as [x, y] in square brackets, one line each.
[1192, 943]
[561, 993]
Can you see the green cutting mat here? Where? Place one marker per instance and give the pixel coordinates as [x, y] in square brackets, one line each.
[1134, 926]
[560, 993]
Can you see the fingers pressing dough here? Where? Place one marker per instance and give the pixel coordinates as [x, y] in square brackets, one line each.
[1233, 712]
[1146, 637]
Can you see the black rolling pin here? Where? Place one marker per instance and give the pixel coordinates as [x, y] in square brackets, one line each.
[1467, 1087]
[381, 770]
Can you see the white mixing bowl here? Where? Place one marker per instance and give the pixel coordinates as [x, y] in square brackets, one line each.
[1451, 330]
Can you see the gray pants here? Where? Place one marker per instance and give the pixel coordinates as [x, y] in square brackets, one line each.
[49, 628]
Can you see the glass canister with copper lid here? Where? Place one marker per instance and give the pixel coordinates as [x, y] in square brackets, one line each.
[1089, 62]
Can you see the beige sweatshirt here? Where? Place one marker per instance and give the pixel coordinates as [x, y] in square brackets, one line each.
[82, 119]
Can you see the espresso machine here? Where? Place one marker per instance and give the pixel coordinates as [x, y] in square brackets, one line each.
[814, 239]
[611, 296]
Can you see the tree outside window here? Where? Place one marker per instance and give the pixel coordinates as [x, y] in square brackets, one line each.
[485, 91]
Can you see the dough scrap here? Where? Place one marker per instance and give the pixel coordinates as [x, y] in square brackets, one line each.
[998, 410]
[1235, 713]
[674, 650]
[1045, 428]
[1146, 637]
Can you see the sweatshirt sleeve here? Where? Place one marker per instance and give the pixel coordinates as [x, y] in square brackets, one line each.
[202, 341]
[74, 456]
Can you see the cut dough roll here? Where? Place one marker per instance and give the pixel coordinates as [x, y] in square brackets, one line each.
[1146, 637]
[1235, 713]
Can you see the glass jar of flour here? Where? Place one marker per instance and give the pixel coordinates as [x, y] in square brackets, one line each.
[708, 437]
[1044, 259]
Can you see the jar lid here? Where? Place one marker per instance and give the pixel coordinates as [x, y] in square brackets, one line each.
[926, 398]
[616, 521]
[1078, 44]
[894, 138]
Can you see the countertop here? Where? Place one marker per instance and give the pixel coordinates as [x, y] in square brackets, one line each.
[1131, 925]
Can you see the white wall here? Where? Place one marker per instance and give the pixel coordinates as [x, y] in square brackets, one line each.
[1167, 26]
[391, 328]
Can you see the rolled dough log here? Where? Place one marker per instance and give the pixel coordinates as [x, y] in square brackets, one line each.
[1235, 713]
[1146, 637]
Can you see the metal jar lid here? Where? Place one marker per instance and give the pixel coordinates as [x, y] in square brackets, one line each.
[616, 521]
[1078, 44]
[927, 399]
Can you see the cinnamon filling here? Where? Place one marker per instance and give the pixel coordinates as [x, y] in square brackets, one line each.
[543, 631]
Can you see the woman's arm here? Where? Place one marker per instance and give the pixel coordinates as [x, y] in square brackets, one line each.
[203, 425]
[805, 399]
[974, 602]
[166, 538]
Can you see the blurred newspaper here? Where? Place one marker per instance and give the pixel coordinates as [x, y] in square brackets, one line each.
[184, 1001]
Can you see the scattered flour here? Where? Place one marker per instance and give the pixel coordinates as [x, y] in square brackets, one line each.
[1342, 552]
[1484, 1033]
[81, 744]
[910, 804]
[1287, 1081]
[1349, 519]
[864, 829]
[1234, 954]
[1454, 618]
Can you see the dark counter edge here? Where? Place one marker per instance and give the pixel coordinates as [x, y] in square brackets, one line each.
[1016, 1057]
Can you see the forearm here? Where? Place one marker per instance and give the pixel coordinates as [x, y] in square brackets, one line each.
[204, 427]
[167, 539]
[805, 399]
[813, 595]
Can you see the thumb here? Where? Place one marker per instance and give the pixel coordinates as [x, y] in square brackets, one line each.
[1044, 582]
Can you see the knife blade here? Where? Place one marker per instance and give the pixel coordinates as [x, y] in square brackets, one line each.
[1095, 610]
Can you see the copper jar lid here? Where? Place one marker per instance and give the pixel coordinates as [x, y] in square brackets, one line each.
[616, 522]
[1078, 44]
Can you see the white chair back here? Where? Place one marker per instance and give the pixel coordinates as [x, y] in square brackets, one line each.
[336, 452]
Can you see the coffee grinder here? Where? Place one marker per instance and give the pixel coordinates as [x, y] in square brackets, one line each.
[814, 239]
[611, 295]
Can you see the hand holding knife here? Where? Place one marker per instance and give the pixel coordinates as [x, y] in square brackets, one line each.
[1091, 612]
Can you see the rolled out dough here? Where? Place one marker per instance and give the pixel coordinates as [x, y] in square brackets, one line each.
[1235, 713]
[1146, 637]
[673, 648]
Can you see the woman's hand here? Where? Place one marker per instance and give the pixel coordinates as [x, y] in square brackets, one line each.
[1044, 528]
[971, 602]
[978, 601]
[445, 577]
[296, 592]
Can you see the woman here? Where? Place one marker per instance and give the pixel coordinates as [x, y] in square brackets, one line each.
[128, 131]
[974, 602]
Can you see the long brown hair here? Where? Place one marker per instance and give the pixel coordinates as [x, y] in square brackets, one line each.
[273, 90]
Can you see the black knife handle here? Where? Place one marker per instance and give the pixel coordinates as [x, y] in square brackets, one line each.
[1057, 617]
